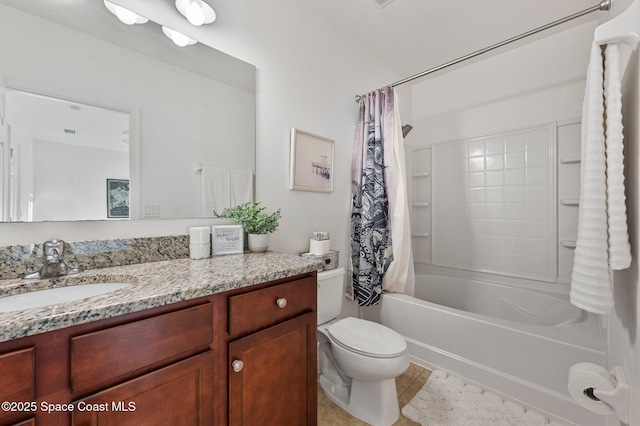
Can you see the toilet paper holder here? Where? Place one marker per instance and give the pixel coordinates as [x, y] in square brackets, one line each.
[618, 397]
[600, 391]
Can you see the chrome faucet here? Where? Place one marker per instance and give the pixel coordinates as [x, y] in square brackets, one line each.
[54, 263]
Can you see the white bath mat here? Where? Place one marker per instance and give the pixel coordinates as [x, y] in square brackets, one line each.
[448, 401]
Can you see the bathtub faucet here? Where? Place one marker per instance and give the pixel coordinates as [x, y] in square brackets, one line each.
[53, 261]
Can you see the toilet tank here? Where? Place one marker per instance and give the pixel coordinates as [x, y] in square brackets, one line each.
[330, 294]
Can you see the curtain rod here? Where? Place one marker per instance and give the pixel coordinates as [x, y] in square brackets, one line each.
[603, 5]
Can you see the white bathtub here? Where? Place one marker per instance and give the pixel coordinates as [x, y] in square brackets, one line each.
[515, 341]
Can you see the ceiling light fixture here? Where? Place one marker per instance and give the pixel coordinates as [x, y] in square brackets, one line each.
[178, 38]
[125, 15]
[197, 12]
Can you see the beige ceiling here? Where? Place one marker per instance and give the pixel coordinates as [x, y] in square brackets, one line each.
[410, 36]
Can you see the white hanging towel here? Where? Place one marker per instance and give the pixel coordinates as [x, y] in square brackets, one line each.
[619, 247]
[224, 188]
[241, 186]
[216, 190]
[595, 250]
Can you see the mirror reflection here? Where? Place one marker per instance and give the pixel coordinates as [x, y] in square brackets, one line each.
[183, 106]
[69, 161]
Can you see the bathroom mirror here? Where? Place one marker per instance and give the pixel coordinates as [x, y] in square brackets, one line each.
[185, 107]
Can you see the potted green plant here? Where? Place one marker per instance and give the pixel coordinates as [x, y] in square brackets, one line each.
[255, 222]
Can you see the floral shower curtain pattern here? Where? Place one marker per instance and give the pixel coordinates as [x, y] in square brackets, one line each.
[379, 212]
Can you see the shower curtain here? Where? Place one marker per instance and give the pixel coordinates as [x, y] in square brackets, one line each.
[380, 227]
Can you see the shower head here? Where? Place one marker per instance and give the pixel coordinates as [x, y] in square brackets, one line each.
[406, 129]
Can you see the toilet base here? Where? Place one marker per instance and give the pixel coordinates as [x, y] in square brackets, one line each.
[374, 402]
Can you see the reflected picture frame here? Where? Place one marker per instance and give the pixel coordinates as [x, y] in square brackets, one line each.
[118, 198]
[311, 162]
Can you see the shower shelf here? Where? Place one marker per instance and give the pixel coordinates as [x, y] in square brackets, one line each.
[568, 243]
[421, 204]
[570, 202]
[424, 234]
[570, 160]
[421, 174]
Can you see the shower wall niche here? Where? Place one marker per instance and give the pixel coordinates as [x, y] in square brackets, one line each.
[504, 203]
[421, 195]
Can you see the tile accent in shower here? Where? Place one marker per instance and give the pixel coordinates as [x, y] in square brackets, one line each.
[493, 201]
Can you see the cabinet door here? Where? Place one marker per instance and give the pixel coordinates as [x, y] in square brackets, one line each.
[179, 394]
[17, 384]
[272, 375]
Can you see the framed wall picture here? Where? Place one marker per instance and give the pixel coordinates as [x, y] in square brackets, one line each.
[117, 198]
[311, 162]
[227, 239]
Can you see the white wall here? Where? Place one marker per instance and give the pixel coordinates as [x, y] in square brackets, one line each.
[71, 181]
[624, 334]
[625, 321]
[535, 84]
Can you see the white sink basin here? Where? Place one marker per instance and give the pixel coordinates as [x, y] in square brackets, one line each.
[54, 296]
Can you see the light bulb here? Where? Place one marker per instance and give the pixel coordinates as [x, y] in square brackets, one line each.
[125, 15]
[195, 14]
[179, 39]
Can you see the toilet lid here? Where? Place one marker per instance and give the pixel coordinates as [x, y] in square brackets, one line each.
[367, 337]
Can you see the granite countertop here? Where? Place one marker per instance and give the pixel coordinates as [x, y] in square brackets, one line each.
[152, 284]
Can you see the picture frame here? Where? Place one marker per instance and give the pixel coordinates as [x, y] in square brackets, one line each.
[311, 162]
[227, 239]
[117, 198]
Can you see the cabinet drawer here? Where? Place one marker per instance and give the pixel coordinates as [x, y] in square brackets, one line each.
[258, 309]
[108, 354]
[17, 384]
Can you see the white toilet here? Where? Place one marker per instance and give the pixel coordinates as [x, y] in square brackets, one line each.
[359, 359]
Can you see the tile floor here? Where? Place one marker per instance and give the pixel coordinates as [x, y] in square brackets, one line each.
[407, 384]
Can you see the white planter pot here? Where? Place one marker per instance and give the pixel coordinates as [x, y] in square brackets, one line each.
[258, 242]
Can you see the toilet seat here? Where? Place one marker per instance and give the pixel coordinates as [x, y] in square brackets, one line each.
[367, 338]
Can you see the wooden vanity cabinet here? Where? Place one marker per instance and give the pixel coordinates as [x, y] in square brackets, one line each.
[175, 364]
[272, 355]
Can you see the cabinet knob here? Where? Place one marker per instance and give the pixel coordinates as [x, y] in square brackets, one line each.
[237, 365]
[281, 302]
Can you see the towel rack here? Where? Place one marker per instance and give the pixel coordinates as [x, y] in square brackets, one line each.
[624, 28]
[570, 160]
[198, 169]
